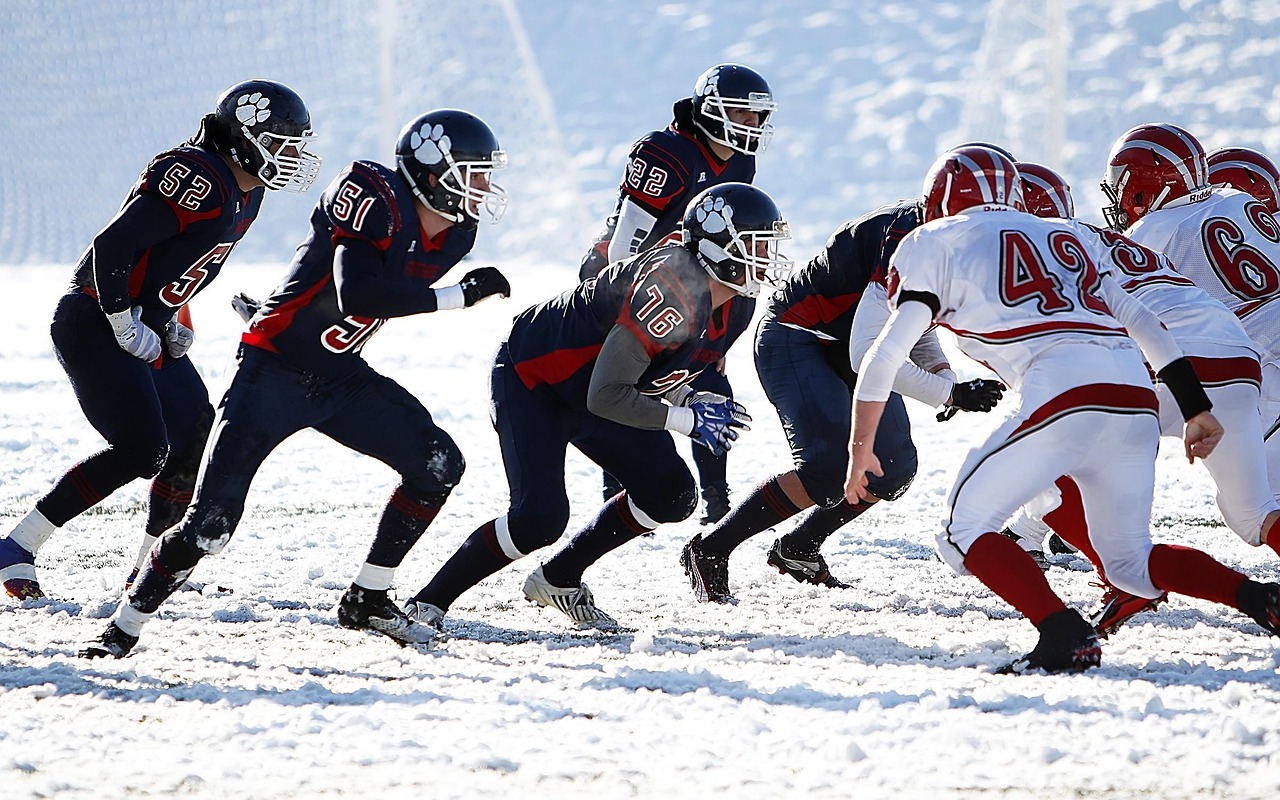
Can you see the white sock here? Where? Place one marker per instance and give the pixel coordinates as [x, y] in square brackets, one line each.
[375, 577]
[32, 532]
[129, 619]
[147, 541]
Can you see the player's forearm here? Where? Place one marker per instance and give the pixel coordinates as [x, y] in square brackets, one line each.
[612, 393]
[879, 368]
[363, 292]
[634, 226]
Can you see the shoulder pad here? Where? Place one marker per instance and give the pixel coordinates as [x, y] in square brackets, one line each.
[189, 180]
[360, 203]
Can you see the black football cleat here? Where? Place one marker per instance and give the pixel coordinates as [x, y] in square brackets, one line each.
[715, 498]
[708, 574]
[806, 570]
[1261, 601]
[372, 610]
[113, 642]
[1067, 644]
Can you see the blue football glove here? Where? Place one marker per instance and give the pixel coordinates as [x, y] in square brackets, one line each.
[716, 423]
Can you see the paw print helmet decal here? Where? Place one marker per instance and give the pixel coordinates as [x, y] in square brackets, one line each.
[727, 87]
[448, 158]
[734, 229]
[264, 127]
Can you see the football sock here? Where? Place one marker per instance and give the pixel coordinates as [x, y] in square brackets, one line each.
[766, 506]
[1007, 570]
[615, 525]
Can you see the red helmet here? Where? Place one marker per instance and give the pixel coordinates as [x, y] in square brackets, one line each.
[969, 176]
[1247, 170]
[1149, 166]
[1045, 192]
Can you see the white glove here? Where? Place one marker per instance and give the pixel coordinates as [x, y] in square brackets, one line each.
[133, 337]
[178, 338]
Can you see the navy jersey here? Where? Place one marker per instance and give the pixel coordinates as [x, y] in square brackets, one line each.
[370, 209]
[206, 216]
[668, 168]
[660, 295]
[823, 295]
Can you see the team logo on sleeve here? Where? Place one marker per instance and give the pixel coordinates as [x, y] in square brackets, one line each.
[252, 109]
[430, 144]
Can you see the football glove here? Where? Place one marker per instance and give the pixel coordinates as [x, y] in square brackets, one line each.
[245, 306]
[484, 282]
[133, 337]
[178, 338]
[716, 423]
[979, 394]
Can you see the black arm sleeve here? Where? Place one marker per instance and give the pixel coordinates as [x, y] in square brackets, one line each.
[363, 290]
[928, 298]
[1185, 387]
[145, 221]
[613, 394]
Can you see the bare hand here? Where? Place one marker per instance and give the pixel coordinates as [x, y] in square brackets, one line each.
[862, 461]
[1201, 435]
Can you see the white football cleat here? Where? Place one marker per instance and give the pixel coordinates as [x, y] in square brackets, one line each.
[576, 603]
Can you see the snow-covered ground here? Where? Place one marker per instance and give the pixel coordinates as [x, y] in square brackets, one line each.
[883, 690]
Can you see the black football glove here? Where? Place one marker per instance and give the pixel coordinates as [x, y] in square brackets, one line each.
[484, 282]
[979, 394]
[245, 306]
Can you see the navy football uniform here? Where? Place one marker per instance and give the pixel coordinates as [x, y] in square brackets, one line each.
[369, 209]
[802, 359]
[174, 231]
[365, 259]
[660, 296]
[540, 388]
[665, 170]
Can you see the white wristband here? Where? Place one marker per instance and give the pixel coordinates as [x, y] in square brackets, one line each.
[449, 298]
[679, 419]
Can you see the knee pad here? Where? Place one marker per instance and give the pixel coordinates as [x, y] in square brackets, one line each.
[533, 529]
[670, 501]
[207, 530]
[443, 469]
[145, 460]
[177, 552]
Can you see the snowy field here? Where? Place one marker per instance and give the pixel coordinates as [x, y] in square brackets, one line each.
[882, 690]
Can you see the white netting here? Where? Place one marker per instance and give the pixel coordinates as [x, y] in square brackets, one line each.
[91, 90]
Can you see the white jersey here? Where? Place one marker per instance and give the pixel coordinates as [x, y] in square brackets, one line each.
[1010, 286]
[1201, 325]
[1228, 245]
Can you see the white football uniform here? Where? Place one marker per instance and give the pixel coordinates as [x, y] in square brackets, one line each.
[1022, 296]
[1225, 359]
[1228, 245]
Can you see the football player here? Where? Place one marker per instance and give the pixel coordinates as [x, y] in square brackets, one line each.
[118, 333]
[805, 345]
[713, 139]
[1245, 169]
[380, 239]
[1024, 297]
[606, 367]
[1225, 359]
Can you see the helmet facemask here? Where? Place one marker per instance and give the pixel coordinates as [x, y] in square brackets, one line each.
[752, 255]
[286, 165]
[748, 139]
[471, 182]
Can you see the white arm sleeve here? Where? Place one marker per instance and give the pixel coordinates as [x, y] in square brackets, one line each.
[1158, 345]
[880, 366]
[869, 320]
[634, 226]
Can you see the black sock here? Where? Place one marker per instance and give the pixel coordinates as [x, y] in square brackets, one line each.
[613, 527]
[167, 567]
[479, 557]
[766, 506]
[806, 539]
[85, 485]
[712, 469]
[404, 520]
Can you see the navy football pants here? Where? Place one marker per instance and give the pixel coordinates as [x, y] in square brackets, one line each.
[811, 385]
[268, 401]
[144, 411]
[535, 428]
